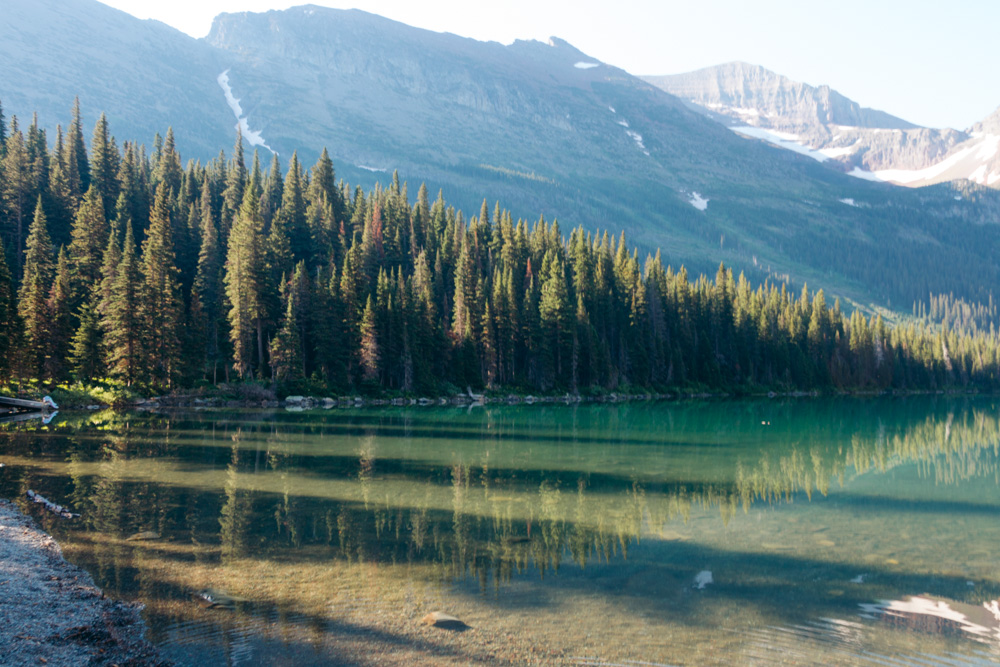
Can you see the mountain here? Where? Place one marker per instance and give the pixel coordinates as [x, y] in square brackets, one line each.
[822, 123]
[144, 74]
[542, 127]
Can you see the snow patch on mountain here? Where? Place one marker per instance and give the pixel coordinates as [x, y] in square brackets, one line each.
[373, 169]
[834, 153]
[781, 139]
[252, 138]
[637, 138]
[585, 65]
[963, 163]
[849, 201]
[698, 201]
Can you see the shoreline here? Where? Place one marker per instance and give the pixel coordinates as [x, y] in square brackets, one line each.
[296, 403]
[52, 613]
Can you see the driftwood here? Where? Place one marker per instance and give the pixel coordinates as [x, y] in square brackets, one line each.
[58, 510]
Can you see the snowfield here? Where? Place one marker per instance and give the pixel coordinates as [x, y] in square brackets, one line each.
[252, 138]
[698, 201]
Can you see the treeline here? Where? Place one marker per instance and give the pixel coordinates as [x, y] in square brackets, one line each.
[129, 265]
[969, 317]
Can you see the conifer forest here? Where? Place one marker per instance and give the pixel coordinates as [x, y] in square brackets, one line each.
[129, 265]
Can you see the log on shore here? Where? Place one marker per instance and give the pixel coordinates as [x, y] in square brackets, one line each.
[58, 510]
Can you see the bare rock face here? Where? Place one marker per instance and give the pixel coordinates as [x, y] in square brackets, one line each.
[854, 137]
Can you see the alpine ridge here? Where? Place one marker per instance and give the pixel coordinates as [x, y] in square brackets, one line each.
[540, 126]
[829, 127]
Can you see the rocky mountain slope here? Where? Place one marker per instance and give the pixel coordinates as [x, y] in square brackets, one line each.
[829, 127]
[542, 127]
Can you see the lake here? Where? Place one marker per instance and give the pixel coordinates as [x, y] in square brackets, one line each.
[807, 531]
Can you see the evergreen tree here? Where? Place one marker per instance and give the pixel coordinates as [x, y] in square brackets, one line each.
[77, 150]
[370, 356]
[207, 293]
[86, 250]
[17, 196]
[122, 321]
[59, 326]
[10, 324]
[286, 349]
[293, 212]
[86, 357]
[104, 159]
[161, 307]
[245, 276]
[33, 296]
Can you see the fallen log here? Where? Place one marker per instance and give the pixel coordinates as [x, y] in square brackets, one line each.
[58, 510]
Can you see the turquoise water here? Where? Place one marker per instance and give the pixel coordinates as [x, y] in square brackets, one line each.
[816, 531]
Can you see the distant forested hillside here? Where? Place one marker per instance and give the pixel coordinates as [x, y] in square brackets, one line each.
[130, 266]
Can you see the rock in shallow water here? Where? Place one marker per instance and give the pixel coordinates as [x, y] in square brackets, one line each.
[439, 619]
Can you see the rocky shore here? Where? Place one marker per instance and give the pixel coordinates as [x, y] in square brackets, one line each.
[51, 613]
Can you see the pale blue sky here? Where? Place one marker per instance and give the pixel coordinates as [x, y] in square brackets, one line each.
[933, 63]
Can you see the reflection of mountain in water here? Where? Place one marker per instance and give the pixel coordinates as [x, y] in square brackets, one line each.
[488, 493]
[937, 615]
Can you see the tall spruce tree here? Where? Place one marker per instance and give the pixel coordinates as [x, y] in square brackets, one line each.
[86, 250]
[17, 196]
[60, 323]
[77, 150]
[161, 306]
[10, 323]
[207, 292]
[33, 296]
[122, 320]
[245, 277]
[104, 164]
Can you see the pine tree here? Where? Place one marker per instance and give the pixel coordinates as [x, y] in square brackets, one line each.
[86, 250]
[555, 319]
[104, 164]
[286, 349]
[122, 321]
[206, 293]
[77, 150]
[86, 358]
[245, 276]
[16, 196]
[10, 324]
[33, 295]
[168, 173]
[236, 182]
[273, 186]
[370, 357]
[293, 212]
[59, 326]
[161, 306]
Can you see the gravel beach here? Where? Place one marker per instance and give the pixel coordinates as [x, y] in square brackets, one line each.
[51, 613]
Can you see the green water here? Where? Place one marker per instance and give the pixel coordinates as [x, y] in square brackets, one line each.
[819, 531]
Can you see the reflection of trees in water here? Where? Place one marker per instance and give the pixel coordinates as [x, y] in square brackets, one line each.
[471, 513]
[236, 516]
[960, 447]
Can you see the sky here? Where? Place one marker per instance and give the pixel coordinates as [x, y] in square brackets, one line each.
[930, 62]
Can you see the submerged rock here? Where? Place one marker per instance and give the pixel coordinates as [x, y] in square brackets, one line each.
[144, 535]
[439, 619]
[212, 598]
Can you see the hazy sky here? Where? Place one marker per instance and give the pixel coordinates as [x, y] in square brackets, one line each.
[930, 62]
